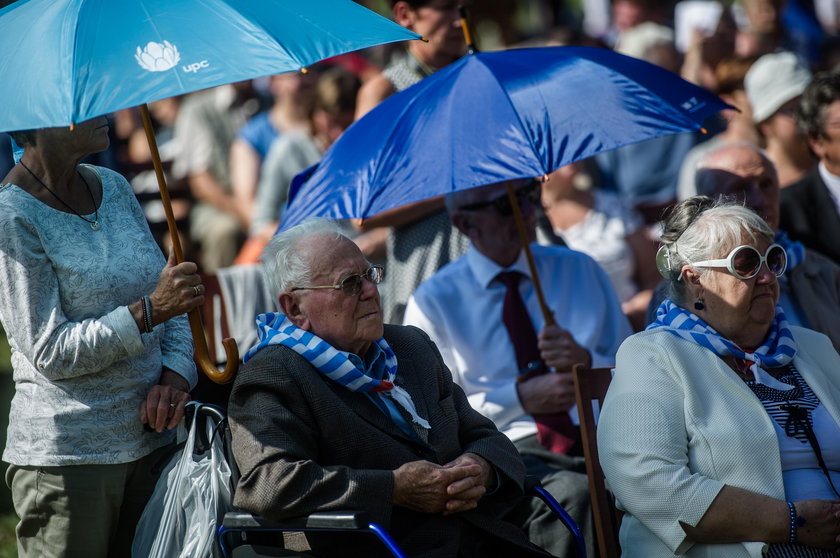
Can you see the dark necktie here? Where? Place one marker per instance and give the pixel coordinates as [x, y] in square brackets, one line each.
[554, 431]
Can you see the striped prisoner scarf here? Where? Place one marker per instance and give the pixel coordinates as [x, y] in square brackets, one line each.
[777, 350]
[276, 329]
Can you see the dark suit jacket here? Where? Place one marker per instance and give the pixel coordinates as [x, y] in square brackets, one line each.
[809, 215]
[305, 443]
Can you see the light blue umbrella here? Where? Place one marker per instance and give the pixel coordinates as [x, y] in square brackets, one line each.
[66, 61]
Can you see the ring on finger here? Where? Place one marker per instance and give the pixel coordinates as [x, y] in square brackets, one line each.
[172, 405]
[197, 290]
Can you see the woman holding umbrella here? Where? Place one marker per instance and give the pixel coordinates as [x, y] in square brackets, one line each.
[99, 348]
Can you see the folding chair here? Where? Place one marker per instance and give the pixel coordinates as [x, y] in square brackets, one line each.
[590, 389]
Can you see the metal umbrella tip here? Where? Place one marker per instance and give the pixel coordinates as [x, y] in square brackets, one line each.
[424, 39]
[304, 71]
[72, 126]
[704, 130]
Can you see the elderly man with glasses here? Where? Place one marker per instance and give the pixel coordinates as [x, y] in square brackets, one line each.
[482, 312]
[334, 410]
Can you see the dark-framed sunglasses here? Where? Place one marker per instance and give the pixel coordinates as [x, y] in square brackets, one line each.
[744, 262]
[352, 284]
[501, 204]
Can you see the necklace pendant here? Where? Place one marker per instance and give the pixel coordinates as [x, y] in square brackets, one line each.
[95, 226]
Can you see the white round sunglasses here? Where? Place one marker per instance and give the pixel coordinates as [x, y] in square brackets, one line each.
[744, 262]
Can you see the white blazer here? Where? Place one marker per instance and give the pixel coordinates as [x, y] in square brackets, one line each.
[678, 424]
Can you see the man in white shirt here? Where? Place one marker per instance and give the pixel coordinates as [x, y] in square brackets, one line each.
[461, 308]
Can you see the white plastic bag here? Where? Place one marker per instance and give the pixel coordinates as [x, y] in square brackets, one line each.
[190, 498]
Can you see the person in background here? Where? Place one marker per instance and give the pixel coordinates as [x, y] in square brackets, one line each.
[334, 104]
[774, 84]
[599, 223]
[729, 79]
[205, 128]
[811, 207]
[293, 94]
[439, 22]
[483, 314]
[417, 239]
[719, 431]
[100, 348]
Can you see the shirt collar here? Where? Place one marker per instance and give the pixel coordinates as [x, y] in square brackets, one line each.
[485, 270]
[374, 362]
[831, 181]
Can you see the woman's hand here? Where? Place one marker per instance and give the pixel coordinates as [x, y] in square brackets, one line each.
[822, 523]
[164, 405]
[178, 291]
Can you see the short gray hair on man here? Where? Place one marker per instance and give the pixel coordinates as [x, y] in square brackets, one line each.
[284, 265]
[697, 229]
[705, 183]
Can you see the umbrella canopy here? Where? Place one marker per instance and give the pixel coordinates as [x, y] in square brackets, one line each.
[492, 117]
[66, 61]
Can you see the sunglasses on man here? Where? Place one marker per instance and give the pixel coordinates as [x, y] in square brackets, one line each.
[501, 204]
[744, 262]
[352, 284]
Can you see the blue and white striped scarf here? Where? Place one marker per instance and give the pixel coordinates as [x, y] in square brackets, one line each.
[777, 350]
[795, 250]
[276, 329]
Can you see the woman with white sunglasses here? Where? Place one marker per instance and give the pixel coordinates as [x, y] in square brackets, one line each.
[719, 435]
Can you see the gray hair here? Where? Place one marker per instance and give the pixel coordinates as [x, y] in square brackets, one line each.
[284, 264]
[697, 229]
[810, 114]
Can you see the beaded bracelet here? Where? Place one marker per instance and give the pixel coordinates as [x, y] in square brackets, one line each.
[147, 313]
[796, 521]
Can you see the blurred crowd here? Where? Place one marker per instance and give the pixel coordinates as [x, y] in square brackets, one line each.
[230, 153]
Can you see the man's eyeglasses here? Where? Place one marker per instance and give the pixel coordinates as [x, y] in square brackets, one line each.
[352, 284]
[501, 204]
[744, 262]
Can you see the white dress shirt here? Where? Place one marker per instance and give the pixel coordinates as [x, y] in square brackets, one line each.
[460, 307]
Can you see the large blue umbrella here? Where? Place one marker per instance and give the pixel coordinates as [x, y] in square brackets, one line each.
[66, 61]
[491, 117]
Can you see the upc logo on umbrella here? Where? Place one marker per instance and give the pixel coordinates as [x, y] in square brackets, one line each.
[157, 57]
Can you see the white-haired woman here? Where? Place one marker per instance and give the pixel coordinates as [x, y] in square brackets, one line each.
[719, 435]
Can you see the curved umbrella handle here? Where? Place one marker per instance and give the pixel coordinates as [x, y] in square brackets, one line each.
[199, 340]
[202, 356]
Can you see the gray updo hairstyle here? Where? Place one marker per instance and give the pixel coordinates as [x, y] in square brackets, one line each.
[284, 266]
[699, 229]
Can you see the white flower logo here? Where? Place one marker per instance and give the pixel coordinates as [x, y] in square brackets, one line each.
[157, 57]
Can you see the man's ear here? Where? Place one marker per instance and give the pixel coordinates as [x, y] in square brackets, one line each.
[816, 145]
[461, 221]
[291, 308]
[404, 14]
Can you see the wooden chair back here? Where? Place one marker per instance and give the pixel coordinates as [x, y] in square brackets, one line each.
[590, 389]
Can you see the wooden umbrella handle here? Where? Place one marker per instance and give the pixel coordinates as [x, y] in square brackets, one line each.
[202, 356]
[548, 315]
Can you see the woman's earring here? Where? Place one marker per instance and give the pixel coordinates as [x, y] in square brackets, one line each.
[699, 304]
